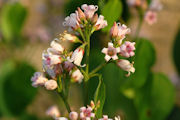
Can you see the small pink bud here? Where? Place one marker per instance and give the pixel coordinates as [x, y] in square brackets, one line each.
[51, 85]
[94, 18]
[114, 30]
[73, 115]
[81, 14]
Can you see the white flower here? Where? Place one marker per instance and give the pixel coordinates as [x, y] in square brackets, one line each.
[110, 52]
[77, 76]
[56, 47]
[151, 17]
[105, 117]
[72, 21]
[89, 10]
[73, 115]
[53, 112]
[127, 49]
[86, 113]
[101, 23]
[122, 31]
[51, 85]
[117, 118]
[126, 65]
[38, 79]
[77, 56]
[51, 59]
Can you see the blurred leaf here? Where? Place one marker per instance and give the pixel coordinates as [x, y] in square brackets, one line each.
[175, 114]
[26, 116]
[16, 90]
[162, 96]
[12, 21]
[100, 96]
[176, 50]
[112, 11]
[143, 61]
[114, 78]
[155, 99]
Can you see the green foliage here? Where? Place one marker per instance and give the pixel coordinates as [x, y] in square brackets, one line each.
[100, 96]
[112, 11]
[144, 59]
[176, 50]
[12, 21]
[16, 90]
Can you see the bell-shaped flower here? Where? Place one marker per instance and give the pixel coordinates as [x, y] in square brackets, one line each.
[127, 49]
[86, 113]
[38, 79]
[56, 48]
[51, 85]
[80, 14]
[105, 117]
[77, 56]
[151, 17]
[89, 10]
[122, 31]
[76, 75]
[72, 21]
[53, 112]
[101, 23]
[126, 66]
[110, 52]
[73, 115]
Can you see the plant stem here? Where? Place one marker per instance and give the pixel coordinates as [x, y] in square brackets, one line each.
[65, 101]
[97, 69]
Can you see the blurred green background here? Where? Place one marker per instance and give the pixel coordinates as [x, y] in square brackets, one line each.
[152, 93]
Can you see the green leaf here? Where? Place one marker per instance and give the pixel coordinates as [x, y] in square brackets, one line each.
[16, 90]
[162, 96]
[100, 95]
[112, 11]
[156, 98]
[143, 61]
[176, 50]
[12, 21]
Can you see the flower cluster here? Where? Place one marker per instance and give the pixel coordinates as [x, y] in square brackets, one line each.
[62, 65]
[117, 48]
[150, 9]
[86, 113]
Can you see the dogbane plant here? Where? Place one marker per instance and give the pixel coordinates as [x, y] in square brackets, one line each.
[62, 66]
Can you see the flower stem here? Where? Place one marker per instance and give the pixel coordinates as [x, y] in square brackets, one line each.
[65, 101]
[97, 69]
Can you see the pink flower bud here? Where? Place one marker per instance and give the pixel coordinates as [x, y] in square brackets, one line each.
[127, 49]
[51, 85]
[38, 79]
[53, 112]
[151, 17]
[94, 18]
[73, 115]
[81, 14]
[89, 10]
[114, 30]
